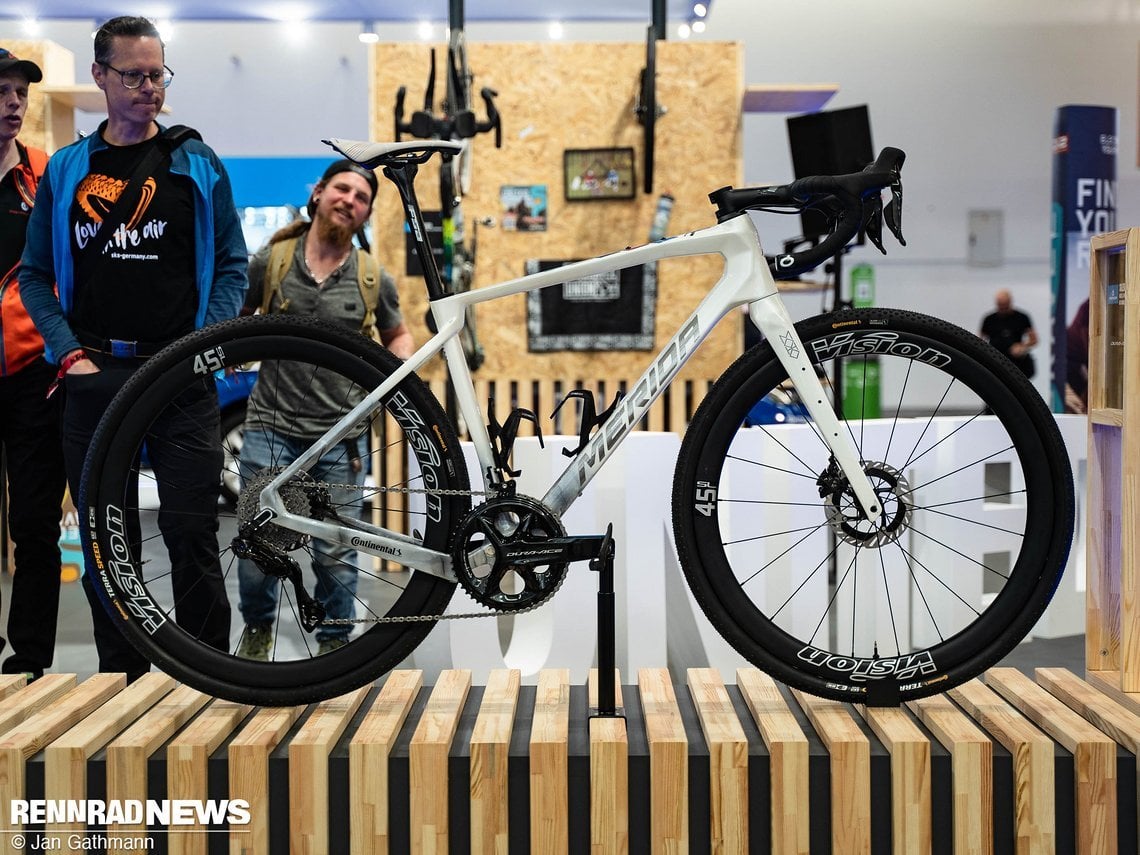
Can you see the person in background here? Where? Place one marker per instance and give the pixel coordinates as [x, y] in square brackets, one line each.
[133, 278]
[1011, 332]
[29, 419]
[320, 273]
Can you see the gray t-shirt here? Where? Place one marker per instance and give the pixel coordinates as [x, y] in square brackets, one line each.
[296, 398]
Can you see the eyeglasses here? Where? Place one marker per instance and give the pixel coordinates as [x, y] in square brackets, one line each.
[134, 79]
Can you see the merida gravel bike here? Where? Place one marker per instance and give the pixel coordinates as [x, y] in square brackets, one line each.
[832, 554]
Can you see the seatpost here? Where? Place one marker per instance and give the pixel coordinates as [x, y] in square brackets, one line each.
[404, 176]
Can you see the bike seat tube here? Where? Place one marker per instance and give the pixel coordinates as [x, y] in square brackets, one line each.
[403, 176]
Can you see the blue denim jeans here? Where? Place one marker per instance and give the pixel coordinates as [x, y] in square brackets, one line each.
[334, 566]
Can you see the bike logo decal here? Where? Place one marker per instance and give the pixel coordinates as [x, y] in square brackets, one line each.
[905, 667]
[209, 361]
[871, 343]
[427, 455]
[788, 339]
[375, 546]
[705, 503]
[121, 568]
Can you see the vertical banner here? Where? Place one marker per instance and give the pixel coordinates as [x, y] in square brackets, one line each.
[1084, 204]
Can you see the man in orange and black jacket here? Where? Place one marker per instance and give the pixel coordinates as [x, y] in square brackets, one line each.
[29, 419]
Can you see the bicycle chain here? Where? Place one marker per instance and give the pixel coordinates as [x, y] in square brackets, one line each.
[421, 618]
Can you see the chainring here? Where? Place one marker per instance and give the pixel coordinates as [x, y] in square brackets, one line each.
[485, 574]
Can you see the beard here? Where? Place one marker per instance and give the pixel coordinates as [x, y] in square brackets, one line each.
[333, 232]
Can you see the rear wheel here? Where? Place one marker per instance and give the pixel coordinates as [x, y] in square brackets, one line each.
[977, 516]
[381, 614]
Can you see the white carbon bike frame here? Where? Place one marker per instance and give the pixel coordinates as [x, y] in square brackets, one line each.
[746, 280]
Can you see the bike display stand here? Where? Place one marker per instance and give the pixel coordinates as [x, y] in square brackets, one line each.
[603, 565]
[1112, 610]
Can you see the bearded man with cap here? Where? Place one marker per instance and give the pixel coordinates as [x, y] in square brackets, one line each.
[287, 410]
[29, 424]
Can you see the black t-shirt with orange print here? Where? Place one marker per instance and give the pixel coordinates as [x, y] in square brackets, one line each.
[145, 289]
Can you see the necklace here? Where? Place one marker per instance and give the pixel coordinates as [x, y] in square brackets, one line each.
[321, 279]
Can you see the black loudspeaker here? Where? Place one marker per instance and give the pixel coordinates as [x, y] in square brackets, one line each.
[829, 143]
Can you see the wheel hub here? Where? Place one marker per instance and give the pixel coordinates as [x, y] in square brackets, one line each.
[482, 541]
[895, 501]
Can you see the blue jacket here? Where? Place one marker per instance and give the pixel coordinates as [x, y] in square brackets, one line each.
[221, 257]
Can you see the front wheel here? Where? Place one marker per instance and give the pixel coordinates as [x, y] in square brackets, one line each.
[159, 538]
[976, 522]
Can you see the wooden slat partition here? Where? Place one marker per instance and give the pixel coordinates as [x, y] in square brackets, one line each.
[910, 777]
[788, 748]
[33, 698]
[38, 730]
[668, 762]
[972, 777]
[128, 753]
[1032, 750]
[1094, 754]
[249, 774]
[65, 760]
[368, 762]
[309, 770]
[550, 763]
[490, 756]
[728, 761]
[850, 753]
[427, 762]
[609, 774]
[187, 767]
[281, 762]
[10, 684]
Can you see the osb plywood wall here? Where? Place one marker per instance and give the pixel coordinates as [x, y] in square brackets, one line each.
[58, 66]
[554, 97]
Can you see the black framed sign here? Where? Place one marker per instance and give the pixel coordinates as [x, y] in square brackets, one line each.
[597, 174]
[608, 311]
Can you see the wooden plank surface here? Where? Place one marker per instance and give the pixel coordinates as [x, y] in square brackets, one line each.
[668, 761]
[65, 760]
[972, 777]
[309, 770]
[32, 698]
[187, 767]
[489, 763]
[550, 764]
[248, 772]
[850, 761]
[1094, 756]
[910, 777]
[368, 762]
[728, 760]
[427, 762]
[788, 748]
[1033, 765]
[39, 729]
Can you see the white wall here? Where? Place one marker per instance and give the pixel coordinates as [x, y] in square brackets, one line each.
[968, 88]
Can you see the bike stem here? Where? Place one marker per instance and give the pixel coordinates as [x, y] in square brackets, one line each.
[773, 320]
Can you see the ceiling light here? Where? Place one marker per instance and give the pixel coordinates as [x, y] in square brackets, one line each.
[296, 32]
[425, 30]
[368, 34]
[698, 26]
[683, 31]
[700, 10]
[31, 27]
[165, 29]
[555, 29]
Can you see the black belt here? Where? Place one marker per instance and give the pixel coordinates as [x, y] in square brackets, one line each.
[119, 348]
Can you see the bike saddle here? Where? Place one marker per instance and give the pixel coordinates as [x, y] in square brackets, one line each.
[372, 155]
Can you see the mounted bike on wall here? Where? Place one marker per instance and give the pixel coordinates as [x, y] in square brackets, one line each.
[456, 121]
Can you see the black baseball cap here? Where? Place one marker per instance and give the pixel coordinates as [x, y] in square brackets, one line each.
[345, 165]
[10, 62]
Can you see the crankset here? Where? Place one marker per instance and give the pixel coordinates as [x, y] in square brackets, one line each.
[511, 553]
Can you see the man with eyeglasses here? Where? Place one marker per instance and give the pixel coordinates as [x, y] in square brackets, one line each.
[133, 277]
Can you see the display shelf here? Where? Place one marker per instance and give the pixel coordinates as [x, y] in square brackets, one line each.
[1112, 605]
[77, 96]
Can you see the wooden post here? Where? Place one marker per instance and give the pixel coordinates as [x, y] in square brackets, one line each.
[427, 762]
[910, 777]
[550, 763]
[609, 775]
[668, 762]
[728, 761]
[490, 758]
[249, 775]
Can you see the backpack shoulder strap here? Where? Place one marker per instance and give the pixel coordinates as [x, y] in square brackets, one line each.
[368, 279]
[280, 260]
